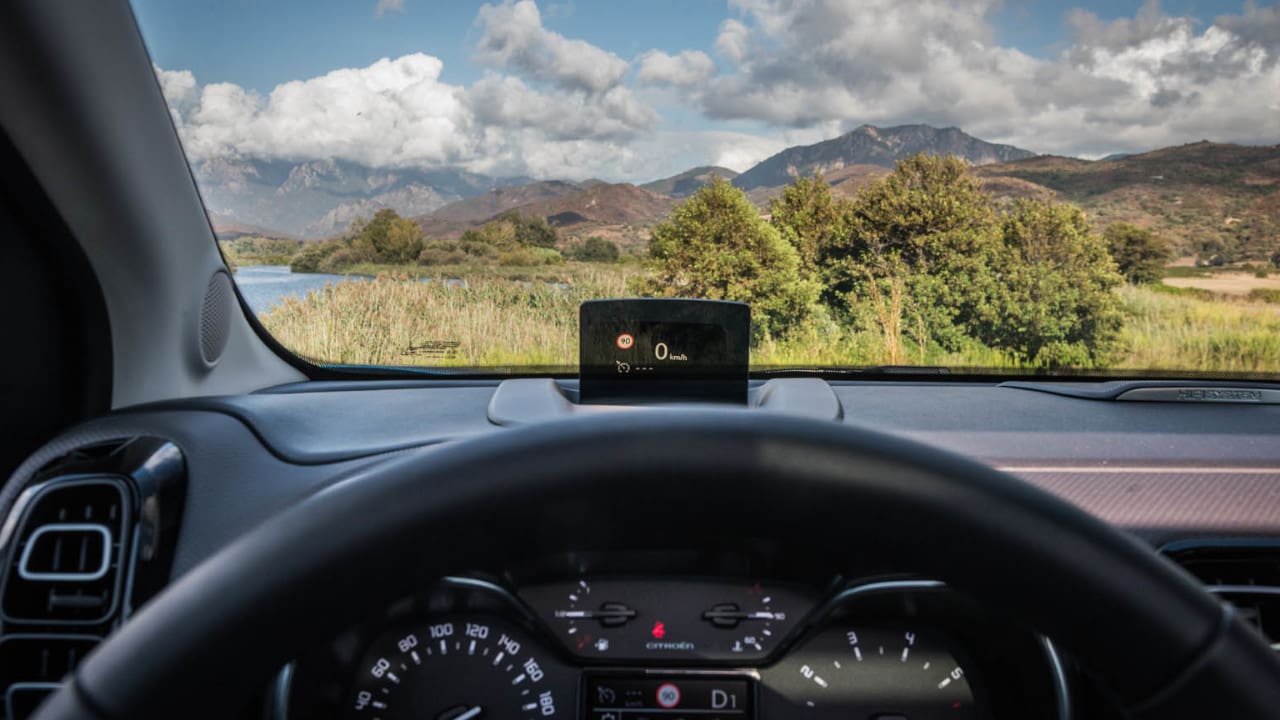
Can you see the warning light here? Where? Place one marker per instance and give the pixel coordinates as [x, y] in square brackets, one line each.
[659, 630]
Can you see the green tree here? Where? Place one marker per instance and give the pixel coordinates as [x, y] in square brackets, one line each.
[511, 229]
[810, 219]
[715, 246]
[387, 238]
[926, 251]
[309, 259]
[1138, 253]
[528, 230]
[927, 228]
[596, 249]
[928, 208]
[1052, 304]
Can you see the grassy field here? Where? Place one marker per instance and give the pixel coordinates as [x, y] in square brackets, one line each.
[520, 317]
[396, 320]
[1174, 331]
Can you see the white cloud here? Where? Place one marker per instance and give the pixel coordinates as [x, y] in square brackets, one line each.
[179, 88]
[689, 67]
[399, 113]
[1129, 84]
[505, 101]
[388, 6]
[733, 40]
[393, 112]
[512, 36]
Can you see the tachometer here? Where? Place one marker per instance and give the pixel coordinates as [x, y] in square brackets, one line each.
[874, 672]
[459, 668]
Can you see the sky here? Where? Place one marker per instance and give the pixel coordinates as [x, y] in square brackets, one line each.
[635, 90]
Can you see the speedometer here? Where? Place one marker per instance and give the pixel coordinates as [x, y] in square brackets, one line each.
[459, 668]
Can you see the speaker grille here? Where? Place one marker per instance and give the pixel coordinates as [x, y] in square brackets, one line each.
[215, 317]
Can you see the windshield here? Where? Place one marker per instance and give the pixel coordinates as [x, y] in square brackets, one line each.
[1067, 187]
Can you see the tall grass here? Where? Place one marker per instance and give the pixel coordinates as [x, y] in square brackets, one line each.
[500, 322]
[1173, 332]
[394, 320]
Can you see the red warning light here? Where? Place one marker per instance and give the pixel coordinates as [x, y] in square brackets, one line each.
[659, 630]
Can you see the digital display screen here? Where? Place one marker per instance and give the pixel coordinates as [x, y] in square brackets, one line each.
[618, 697]
[663, 349]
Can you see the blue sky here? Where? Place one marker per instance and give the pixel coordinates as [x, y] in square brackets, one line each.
[678, 82]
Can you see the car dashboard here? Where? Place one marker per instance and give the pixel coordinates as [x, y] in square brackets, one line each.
[109, 513]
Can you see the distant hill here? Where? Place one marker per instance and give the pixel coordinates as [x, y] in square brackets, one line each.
[615, 204]
[227, 228]
[688, 182]
[618, 211]
[1199, 195]
[868, 145]
[321, 197]
[482, 207]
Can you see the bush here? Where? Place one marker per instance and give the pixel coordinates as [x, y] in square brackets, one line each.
[596, 249]
[715, 246]
[387, 238]
[530, 256]
[533, 231]
[263, 250]
[312, 254]
[479, 250]
[511, 230]
[449, 254]
[1266, 295]
[1138, 253]
[338, 261]
[924, 257]
[1054, 304]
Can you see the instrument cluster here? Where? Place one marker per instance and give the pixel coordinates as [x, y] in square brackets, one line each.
[644, 648]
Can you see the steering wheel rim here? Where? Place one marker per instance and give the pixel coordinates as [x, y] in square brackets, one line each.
[1148, 631]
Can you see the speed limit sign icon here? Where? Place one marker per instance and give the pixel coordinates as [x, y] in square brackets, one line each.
[625, 341]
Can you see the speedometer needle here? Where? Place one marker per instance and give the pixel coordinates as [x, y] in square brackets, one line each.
[457, 713]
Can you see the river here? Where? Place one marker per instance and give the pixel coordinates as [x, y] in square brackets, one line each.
[264, 286]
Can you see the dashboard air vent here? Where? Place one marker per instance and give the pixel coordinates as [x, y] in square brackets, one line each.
[33, 666]
[67, 552]
[1246, 575]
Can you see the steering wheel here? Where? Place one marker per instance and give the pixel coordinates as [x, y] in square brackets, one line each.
[654, 479]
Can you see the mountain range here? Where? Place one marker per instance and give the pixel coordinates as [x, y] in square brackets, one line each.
[318, 198]
[1197, 197]
[875, 146]
[1193, 194]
